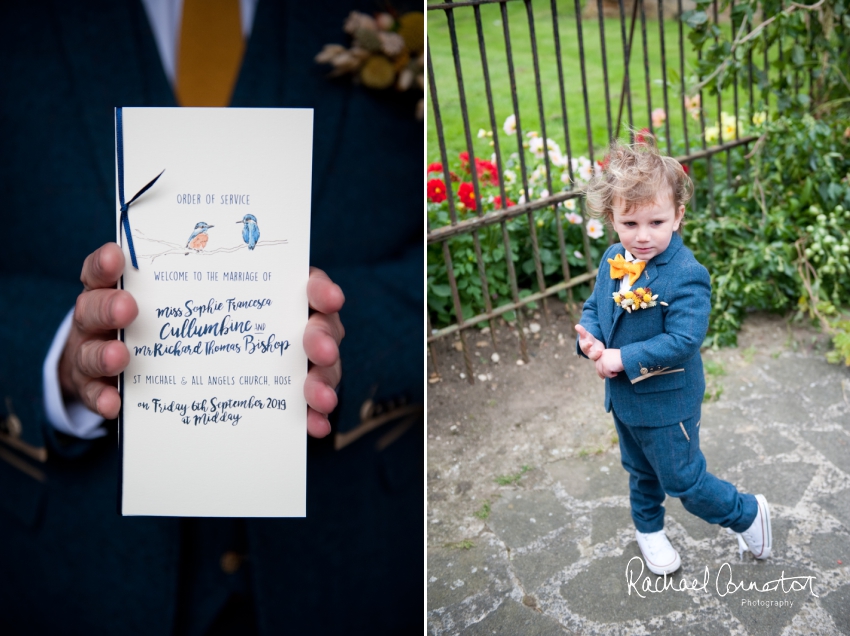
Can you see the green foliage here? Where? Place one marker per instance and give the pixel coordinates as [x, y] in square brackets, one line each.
[512, 480]
[841, 342]
[466, 544]
[522, 234]
[813, 42]
[770, 220]
[782, 216]
[484, 511]
[714, 368]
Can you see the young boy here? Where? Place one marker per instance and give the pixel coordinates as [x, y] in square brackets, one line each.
[643, 327]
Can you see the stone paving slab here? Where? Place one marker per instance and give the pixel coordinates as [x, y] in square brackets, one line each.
[557, 555]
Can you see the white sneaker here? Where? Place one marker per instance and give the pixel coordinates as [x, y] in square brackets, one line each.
[659, 555]
[759, 536]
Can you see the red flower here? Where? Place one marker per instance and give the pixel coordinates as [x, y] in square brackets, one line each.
[435, 167]
[639, 138]
[497, 201]
[464, 160]
[436, 191]
[604, 163]
[466, 195]
[686, 169]
[487, 172]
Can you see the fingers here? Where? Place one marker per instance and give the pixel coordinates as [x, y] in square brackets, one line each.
[319, 387]
[102, 358]
[317, 424]
[102, 398]
[321, 339]
[322, 336]
[585, 336]
[102, 310]
[103, 267]
[324, 295]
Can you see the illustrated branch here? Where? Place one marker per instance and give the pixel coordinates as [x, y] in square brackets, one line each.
[174, 249]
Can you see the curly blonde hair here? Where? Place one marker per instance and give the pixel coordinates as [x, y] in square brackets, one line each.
[636, 173]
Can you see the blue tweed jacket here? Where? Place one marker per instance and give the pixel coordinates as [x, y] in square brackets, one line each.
[663, 382]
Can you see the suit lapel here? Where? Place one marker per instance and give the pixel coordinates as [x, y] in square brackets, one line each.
[647, 278]
[613, 286]
[649, 274]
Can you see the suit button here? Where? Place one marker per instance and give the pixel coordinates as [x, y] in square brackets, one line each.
[231, 562]
[644, 370]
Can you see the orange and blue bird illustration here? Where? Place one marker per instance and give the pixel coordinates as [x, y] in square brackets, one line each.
[199, 238]
[250, 230]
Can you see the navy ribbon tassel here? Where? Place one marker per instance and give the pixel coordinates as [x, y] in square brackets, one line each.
[125, 219]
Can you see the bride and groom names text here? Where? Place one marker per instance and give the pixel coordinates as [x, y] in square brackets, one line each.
[193, 327]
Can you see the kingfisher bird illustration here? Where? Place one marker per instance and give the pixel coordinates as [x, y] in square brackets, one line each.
[250, 230]
[199, 238]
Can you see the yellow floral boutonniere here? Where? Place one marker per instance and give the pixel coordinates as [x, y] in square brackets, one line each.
[386, 51]
[641, 298]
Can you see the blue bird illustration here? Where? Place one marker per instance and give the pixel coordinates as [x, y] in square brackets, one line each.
[250, 230]
[199, 238]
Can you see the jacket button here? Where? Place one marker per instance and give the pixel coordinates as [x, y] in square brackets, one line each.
[230, 562]
[644, 370]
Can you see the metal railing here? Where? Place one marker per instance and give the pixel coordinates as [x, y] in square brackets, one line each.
[693, 150]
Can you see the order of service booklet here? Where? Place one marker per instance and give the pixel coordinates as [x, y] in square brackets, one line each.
[214, 420]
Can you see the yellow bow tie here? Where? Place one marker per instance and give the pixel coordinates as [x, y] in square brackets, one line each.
[620, 267]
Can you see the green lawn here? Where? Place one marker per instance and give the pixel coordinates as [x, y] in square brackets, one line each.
[473, 80]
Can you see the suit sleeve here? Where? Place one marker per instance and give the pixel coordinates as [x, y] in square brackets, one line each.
[381, 357]
[32, 308]
[685, 326]
[589, 316]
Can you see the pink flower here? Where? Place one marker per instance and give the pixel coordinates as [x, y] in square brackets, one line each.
[658, 117]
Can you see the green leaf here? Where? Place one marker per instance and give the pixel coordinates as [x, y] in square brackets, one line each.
[444, 291]
[695, 18]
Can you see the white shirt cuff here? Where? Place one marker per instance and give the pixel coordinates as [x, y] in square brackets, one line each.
[72, 418]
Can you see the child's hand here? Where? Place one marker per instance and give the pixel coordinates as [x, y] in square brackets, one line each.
[591, 347]
[609, 364]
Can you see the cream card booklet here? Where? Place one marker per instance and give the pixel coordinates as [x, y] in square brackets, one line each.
[214, 220]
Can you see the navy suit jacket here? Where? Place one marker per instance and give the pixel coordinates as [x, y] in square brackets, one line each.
[663, 381]
[68, 562]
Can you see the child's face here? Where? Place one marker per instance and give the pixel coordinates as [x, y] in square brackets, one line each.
[646, 231]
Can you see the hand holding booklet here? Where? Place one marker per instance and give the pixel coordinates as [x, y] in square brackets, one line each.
[214, 419]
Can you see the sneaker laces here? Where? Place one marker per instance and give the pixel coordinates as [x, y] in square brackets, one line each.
[654, 544]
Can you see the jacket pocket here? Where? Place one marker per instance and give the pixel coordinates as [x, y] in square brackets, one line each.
[662, 382]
